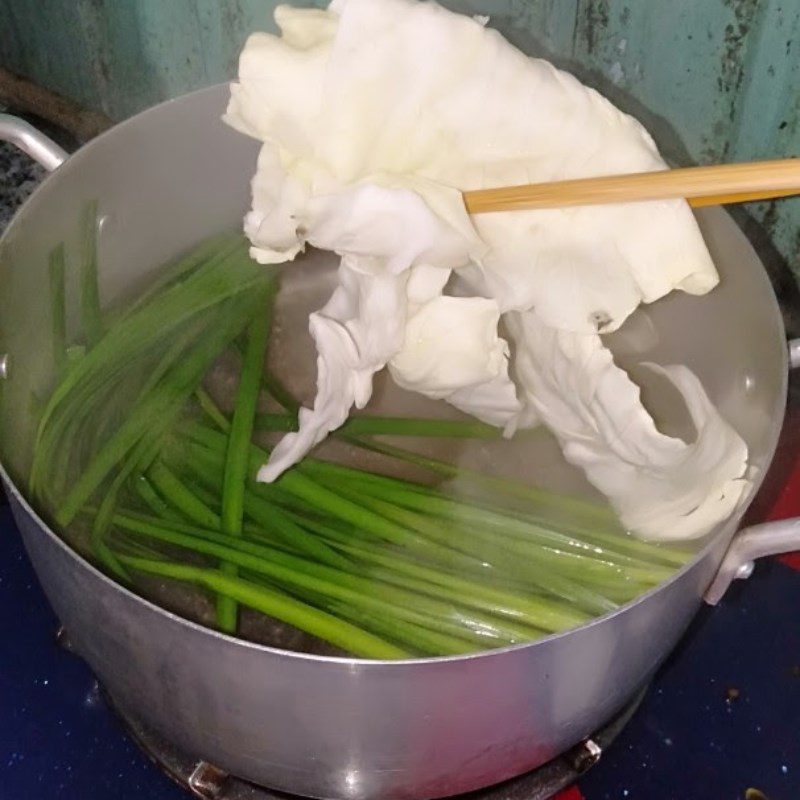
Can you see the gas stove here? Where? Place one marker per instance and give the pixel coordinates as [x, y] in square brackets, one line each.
[719, 720]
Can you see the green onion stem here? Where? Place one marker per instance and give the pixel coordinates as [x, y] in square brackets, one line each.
[284, 529]
[90, 289]
[411, 635]
[155, 323]
[206, 467]
[207, 252]
[419, 637]
[303, 574]
[237, 453]
[140, 458]
[616, 543]
[318, 623]
[357, 426]
[588, 558]
[211, 409]
[344, 495]
[478, 544]
[316, 495]
[153, 500]
[155, 412]
[387, 426]
[58, 319]
[277, 390]
[541, 612]
[595, 511]
[177, 495]
[526, 538]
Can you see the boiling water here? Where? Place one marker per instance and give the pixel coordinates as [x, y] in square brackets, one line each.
[533, 457]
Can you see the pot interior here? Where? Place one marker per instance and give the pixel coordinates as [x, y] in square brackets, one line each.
[175, 175]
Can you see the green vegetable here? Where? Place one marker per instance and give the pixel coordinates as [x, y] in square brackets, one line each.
[57, 307]
[276, 605]
[133, 449]
[153, 501]
[298, 573]
[90, 290]
[388, 426]
[172, 490]
[241, 431]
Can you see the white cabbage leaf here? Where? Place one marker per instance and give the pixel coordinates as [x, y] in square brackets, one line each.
[661, 487]
[391, 245]
[452, 351]
[355, 334]
[374, 116]
[402, 88]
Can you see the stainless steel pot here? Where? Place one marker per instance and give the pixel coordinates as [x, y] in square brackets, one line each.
[338, 727]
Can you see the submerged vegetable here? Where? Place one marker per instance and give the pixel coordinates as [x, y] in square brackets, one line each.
[157, 483]
[451, 350]
[374, 115]
[662, 487]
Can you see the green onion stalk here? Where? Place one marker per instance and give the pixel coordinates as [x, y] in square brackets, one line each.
[132, 445]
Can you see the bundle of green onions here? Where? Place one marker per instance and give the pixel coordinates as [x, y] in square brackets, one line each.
[132, 450]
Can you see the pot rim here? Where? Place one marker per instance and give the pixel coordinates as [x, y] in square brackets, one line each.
[726, 529]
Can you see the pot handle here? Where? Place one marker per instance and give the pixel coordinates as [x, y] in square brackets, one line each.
[757, 541]
[39, 147]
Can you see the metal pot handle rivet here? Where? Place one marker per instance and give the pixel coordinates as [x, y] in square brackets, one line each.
[207, 781]
[39, 147]
[585, 755]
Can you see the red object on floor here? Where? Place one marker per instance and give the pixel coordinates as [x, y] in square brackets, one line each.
[786, 506]
[791, 560]
[573, 793]
[779, 498]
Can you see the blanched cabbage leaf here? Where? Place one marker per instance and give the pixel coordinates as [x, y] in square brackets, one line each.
[374, 116]
[661, 486]
[452, 351]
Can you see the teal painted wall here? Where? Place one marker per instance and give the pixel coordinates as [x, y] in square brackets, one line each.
[715, 80]
[119, 56]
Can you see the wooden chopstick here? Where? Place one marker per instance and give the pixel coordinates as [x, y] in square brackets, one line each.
[701, 186]
[741, 197]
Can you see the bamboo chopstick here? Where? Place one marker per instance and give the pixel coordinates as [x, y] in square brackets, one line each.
[701, 186]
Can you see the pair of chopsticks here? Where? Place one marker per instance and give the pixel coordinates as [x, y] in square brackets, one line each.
[701, 186]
